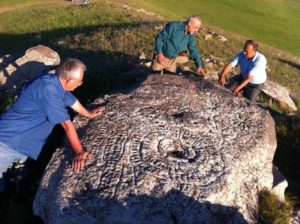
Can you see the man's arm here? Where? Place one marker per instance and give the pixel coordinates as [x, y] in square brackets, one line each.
[224, 72]
[200, 70]
[243, 84]
[81, 155]
[195, 55]
[160, 58]
[79, 108]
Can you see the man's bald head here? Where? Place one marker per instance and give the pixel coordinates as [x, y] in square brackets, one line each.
[68, 69]
[193, 24]
[195, 20]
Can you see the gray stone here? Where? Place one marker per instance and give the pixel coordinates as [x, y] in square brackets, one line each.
[212, 67]
[142, 56]
[147, 64]
[143, 11]
[279, 184]
[212, 75]
[295, 218]
[80, 2]
[186, 69]
[222, 38]
[175, 150]
[209, 65]
[279, 93]
[15, 73]
[208, 37]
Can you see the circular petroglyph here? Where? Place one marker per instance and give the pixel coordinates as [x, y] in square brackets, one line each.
[172, 134]
[182, 134]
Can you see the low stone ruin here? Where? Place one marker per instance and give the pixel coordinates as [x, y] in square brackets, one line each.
[175, 150]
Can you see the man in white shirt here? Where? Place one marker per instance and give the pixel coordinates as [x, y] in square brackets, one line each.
[253, 71]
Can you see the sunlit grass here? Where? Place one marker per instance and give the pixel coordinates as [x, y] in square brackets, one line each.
[109, 40]
[273, 22]
[271, 210]
[11, 3]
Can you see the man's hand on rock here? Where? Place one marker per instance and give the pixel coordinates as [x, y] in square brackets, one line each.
[80, 160]
[202, 71]
[222, 80]
[160, 58]
[96, 112]
[237, 92]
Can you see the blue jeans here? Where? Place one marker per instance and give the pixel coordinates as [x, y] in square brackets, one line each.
[8, 156]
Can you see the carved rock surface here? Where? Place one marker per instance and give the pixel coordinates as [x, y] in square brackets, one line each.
[175, 150]
[36, 60]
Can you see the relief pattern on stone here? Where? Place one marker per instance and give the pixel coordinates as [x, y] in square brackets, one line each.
[170, 133]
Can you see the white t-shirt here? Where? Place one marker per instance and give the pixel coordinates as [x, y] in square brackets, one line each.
[255, 67]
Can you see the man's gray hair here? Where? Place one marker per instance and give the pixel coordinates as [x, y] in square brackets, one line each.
[66, 69]
[194, 19]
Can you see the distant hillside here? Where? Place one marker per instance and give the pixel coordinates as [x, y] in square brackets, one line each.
[274, 22]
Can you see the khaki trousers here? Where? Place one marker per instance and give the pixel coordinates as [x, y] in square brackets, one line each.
[169, 64]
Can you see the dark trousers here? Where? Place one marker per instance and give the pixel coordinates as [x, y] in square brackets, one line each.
[250, 91]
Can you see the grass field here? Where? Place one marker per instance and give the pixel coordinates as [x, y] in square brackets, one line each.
[109, 39]
[273, 22]
[59, 22]
[12, 3]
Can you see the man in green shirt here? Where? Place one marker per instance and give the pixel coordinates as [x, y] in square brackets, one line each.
[172, 41]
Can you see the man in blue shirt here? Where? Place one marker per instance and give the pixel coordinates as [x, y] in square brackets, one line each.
[253, 71]
[172, 41]
[43, 103]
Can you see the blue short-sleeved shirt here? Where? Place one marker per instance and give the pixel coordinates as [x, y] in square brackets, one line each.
[42, 104]
[256, 67]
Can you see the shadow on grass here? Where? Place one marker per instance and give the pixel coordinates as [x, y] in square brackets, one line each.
[291, 63]
[105, 68]
[287, 156]
[16, 44]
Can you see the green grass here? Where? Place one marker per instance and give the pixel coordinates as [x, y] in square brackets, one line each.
[109, 39]
[271, 210]
[47, 23]
[274, 22]
[11, 3]
[102, 28]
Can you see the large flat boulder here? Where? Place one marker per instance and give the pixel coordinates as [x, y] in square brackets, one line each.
[175, 150]
[14, 74]
[279, 93]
